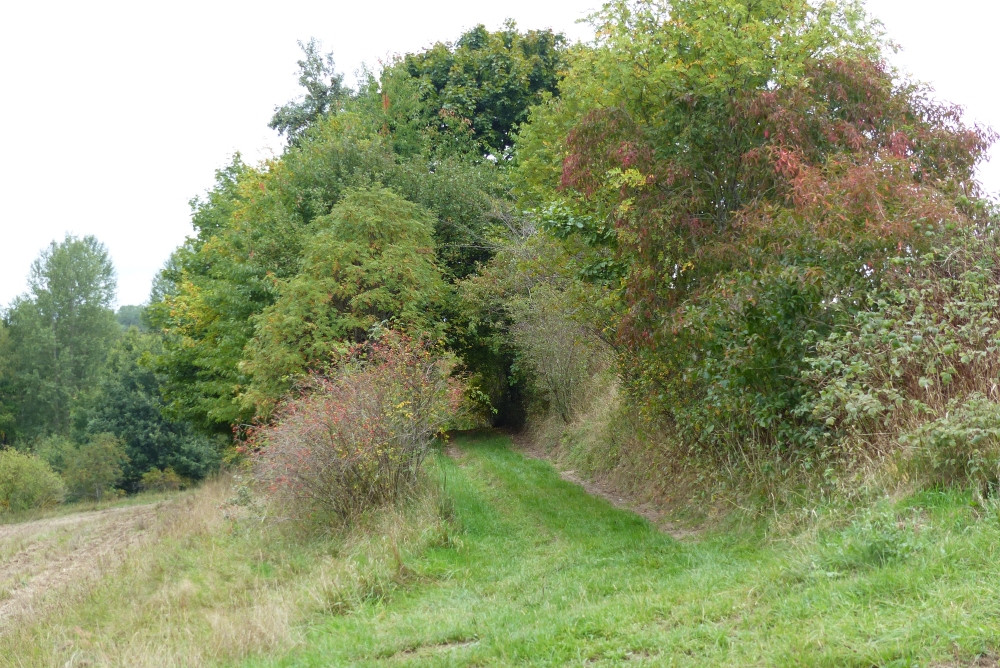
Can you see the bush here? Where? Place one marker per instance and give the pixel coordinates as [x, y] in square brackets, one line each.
[54, 450]
[922, 348]
[560, 353]
[94, 468]
[962, 447]
[166, 480]
[27, 482]
[355, 439]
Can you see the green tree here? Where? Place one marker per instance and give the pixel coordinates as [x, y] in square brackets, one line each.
[471, 95]
[371, 263]
[129, 406]
[254, 229]
[54, 450]
[130, 315]
[60, 333]
[201, 302]
[94, 468]
[8, 404]
[324, 92]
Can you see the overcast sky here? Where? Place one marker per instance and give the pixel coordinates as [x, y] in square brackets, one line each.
[115, 114]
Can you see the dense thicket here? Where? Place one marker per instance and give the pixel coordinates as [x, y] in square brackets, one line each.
[749, 177]
[293, 260]
[127, 404]
[369, 264]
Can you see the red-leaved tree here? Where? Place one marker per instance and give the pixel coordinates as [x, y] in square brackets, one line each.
[759, 165]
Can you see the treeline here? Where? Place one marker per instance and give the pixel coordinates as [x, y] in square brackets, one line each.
[80, 410]
[724, 241]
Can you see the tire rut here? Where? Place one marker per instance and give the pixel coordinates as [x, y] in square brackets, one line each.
[604, 489]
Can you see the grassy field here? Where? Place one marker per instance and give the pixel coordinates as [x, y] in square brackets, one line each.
[513, 566]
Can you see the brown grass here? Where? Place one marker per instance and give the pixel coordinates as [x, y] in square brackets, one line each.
[38, 559]
[183, 583]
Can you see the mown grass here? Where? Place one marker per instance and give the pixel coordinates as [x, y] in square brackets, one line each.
[514, 566]
[547, 575]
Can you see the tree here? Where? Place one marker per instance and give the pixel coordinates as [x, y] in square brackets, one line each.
[249, 236]
[371, 263]
[8, 404]
[472, 95]
[94, 468]
[409, 131]
[254, 229]
[201, 303]
[60, 333]
[128, 405]
[324, 92]
[130, 315]
[757, 164]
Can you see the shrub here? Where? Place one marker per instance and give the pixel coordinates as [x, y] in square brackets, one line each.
[560, 353]
[922, 348]
[54, 450]
[94, 468]
[27, 482]
[166, 480]
[355, 439]
[961, 447]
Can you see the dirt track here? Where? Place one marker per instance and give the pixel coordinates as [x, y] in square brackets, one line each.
[40, 558]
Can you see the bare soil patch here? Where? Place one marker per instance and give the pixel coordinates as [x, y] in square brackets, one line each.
[39, 559]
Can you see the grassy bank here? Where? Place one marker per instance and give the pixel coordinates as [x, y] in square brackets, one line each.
[194, 585]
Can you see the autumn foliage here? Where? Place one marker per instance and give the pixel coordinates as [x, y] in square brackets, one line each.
[355, 439]
[697, 215]
[760, 165]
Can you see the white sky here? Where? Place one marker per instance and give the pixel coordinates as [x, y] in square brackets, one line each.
[115, 114]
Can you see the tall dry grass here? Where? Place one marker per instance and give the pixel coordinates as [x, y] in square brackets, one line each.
[205, 588]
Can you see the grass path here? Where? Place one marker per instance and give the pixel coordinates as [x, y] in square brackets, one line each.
[529, 570]
[541, 573]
